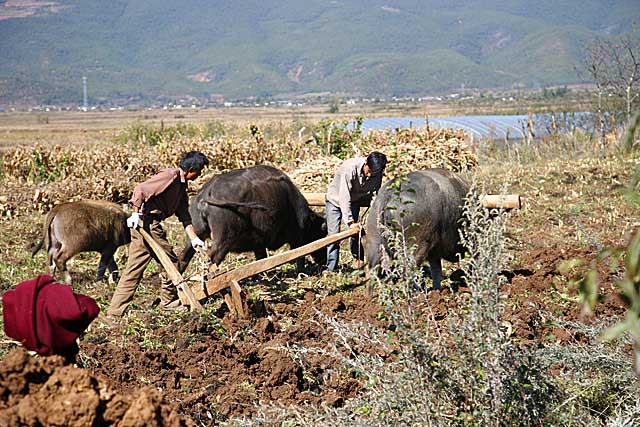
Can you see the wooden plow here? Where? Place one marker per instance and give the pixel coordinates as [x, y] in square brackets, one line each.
[230, 279]
[236, 301]
[184, 291]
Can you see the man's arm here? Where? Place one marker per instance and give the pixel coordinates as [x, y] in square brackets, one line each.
[190, 232]
[185, 218]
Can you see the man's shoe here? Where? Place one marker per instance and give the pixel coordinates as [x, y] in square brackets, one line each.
[109, 321]
[174, 305]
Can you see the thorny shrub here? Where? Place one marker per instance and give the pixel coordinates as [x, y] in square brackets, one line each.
[465, 372]
[629, 290]
[629, 282]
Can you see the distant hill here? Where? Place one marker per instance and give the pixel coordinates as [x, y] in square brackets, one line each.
[155, 49]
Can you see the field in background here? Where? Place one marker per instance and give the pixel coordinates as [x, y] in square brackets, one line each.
[75, 127]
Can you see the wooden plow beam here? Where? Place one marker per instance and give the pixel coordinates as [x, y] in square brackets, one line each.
[232, 277]
[184, 291]
[489, 201]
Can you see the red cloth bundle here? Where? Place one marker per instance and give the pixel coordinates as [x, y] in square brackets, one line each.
[45, 316]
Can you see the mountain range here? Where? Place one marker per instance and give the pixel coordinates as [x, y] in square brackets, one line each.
[220, 49]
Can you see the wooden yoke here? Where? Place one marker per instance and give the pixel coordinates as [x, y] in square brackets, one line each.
[184, 291]
[315, 199]
[489, 201]
[501, 201]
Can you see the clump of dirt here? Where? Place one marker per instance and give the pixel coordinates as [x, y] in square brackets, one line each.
[46, 391]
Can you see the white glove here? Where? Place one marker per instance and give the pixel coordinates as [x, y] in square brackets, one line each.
[132, 221]
[196, 242]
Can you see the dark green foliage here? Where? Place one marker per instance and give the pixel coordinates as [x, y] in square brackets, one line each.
[155, 48]
[555, 92]
[336, 138]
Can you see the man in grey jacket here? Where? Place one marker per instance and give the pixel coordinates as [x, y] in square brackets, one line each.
[353, 186]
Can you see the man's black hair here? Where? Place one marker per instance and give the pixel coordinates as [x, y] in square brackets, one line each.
[193, 160]
[376, 162]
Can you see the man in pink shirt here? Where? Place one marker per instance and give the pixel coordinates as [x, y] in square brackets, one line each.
[161, 196]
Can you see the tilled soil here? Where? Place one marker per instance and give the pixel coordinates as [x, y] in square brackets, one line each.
[205, 369]
[213, 376]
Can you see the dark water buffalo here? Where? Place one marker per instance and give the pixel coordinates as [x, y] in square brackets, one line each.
[252, 210]
[84, 226]
[428, 204]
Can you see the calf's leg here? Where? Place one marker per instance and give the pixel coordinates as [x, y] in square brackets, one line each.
[113, 270]
[61, 264]
[106, 260]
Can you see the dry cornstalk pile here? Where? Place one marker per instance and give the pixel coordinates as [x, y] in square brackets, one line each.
[37, 178]
[407, 150]
[315, 174]
[415, 149]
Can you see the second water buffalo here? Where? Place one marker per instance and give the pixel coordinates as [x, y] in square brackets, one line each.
[84, 226]
[252, 210]
[428, 205]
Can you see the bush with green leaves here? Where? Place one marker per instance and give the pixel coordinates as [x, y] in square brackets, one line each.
[43, 168]
[628, 289]
[151, 134]
[629, 282]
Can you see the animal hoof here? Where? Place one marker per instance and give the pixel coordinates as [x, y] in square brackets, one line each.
[113, 278]
[357, 264]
